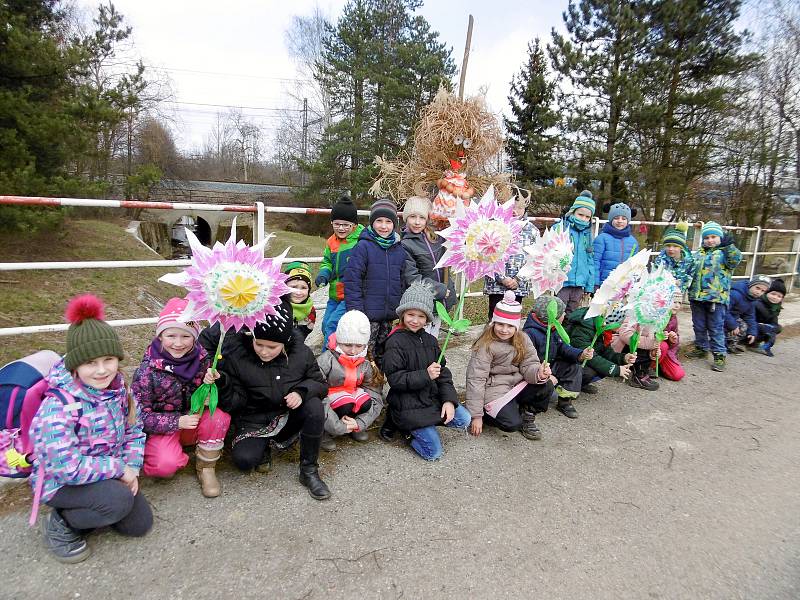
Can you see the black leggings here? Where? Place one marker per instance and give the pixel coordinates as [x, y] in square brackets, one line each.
[534, 398]
[103, 503]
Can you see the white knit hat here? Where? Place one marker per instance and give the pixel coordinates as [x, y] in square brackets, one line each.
[508, 310]
[416, 205]
[353, 328]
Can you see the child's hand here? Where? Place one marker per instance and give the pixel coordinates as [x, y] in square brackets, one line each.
[553, 379]
[672, 337]
[625, 372]
[188, 421]
[131, 479]
[448, 412]
[476, 427]
[735, 331]
[630, 358]
[587, 354]
[320, 281]
[751, 339]
[544, 372]
[293, 400]
[350, 423]
[510, 283]
[655, 353]
[434, 370]
[211, 376]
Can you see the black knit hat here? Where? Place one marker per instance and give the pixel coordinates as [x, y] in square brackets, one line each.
[276, 328]
[344, 210]
[384, 207]
[777, 286]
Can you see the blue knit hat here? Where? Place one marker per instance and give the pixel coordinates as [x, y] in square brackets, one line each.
[582, 202]
[711, 228]
[620, 209]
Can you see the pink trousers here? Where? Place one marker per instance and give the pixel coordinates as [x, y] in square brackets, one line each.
[667, 367]
[164, 455]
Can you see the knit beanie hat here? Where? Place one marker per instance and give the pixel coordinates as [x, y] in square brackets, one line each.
[508, 310]
[586, 194]
[777, 286]
[711, 228]
[676, 235]
[89, 336]
[620, 209]
[416, 205]
[419, 296]
[276, 328]
[171, 316]
[353, 328]
[298, 269]
[760, 280]
[540, 306]
[384, 207]
[344, 210]
[582, 202]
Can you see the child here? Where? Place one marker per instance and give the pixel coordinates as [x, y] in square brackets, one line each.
[615, 243]
[647, 351]
[767, 310]
[346, 231]
[173, 367]
[378, 272]
[668, 364]
[675, 256]
[505, 377]
[303, 312]
[605, 362]
[88, 440]
[496, 286]
[740, 318]
[715, 262]
[353, 402]
[564, 359]
[421, 392]
[425, 247]
[581, 277]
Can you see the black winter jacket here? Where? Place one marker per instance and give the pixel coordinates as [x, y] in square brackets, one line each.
[253, 391]
[415, 400]
[425, 255]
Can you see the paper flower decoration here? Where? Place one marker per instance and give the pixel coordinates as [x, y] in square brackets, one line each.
[619, 283]
[650, 304]
[481, 238]
[548, 261]
[552, 322]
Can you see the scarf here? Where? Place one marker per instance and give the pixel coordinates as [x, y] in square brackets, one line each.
[383, 242]
[301, 310]
[617, 233]
[774, 309]
[184, 368]
[576, 223]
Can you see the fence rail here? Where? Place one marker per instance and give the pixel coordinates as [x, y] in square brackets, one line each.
[259, 211]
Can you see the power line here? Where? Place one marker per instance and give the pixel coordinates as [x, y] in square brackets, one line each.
[222, 74]
[239, 106]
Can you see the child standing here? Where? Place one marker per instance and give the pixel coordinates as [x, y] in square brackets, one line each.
[715, 262]
[740, 318]
[421, 392]
[304, 314]
[87, 440]
[675, 256]
[564, 359]
[495, 287]
[173, 367]
[615, 243]
[767, 311]
[506, 383]
[581, 277]
[378, 272]
[353, 402]
[346, 231]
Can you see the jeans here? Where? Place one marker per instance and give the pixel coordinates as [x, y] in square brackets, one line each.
[708, 321]
[333, 312]
[427, 442]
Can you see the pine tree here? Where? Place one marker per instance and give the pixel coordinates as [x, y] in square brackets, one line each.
[531, 143]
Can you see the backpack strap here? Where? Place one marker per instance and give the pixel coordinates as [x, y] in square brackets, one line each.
[37, 492]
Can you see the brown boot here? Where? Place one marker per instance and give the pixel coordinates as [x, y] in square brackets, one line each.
[205, 464]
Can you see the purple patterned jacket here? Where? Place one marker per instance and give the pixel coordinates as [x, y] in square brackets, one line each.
[162, 395]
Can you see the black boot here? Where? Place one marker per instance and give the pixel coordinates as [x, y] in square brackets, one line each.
[529, 428]
[388, 428]
[66, 544]
[309, 468]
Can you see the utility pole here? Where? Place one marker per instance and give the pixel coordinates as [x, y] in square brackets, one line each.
[466, 60]
[305, 139]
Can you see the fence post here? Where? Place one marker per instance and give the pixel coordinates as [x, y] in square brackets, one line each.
[796, 249]
[258, 230]
[697, 238]
[753, 247]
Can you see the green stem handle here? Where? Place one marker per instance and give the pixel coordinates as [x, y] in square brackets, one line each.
[450, 329]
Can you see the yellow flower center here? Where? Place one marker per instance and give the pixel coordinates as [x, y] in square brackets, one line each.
[239, 291]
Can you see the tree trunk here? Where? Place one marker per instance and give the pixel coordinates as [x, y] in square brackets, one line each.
[614, 114]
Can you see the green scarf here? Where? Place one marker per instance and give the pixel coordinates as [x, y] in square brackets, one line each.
[301, 311]
[381, 241]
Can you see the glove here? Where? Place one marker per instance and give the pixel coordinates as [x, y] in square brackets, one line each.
[321, 280]
[727, 240]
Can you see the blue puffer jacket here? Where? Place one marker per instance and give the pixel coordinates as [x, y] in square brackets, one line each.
[741, 306]
[611, 248]
[376, 278]
[559, 349]
[581, 273]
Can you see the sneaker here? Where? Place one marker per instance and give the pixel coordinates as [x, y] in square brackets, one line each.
[66, 544]
[768, 350]
[696, 353]
[589, 388]
[360, 436]
[719, 363]
[565, 407]
[644, 382]
[735, 349]
[328, 444]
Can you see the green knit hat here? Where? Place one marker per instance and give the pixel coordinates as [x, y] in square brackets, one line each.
[675, 235]
[88, 336]
[583, 202]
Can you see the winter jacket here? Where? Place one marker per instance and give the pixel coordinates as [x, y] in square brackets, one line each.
[582, 271]
[162, 396]
[376, 278]
[713, 271]
[345, 372]
[493, 285]
[612, 247]
[741, 306]
[491, 373]
[85, 439]
[622, 337]
[253, 391]
[559, 349]
[673, 347]
[767, 312]
[334, 261]
[425, 255]
[415, 400]
[683, 270]
[581, 331]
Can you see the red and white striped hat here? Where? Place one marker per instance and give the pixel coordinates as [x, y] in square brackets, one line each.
[508, 310]
[172, 316]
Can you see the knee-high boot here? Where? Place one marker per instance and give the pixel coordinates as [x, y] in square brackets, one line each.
[205, 465]
[309, 467]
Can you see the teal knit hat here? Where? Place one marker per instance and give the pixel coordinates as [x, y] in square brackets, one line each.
[583, 202]
[711, 228]
[89, 336]
[675, 235]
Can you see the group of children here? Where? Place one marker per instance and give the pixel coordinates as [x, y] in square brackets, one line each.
[92, 438]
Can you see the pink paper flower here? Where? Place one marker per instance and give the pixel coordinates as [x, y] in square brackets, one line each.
[548, 261]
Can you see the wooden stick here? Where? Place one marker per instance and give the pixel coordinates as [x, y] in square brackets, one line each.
[466, 59]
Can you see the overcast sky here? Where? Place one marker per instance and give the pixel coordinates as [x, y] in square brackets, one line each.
[233, 53]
